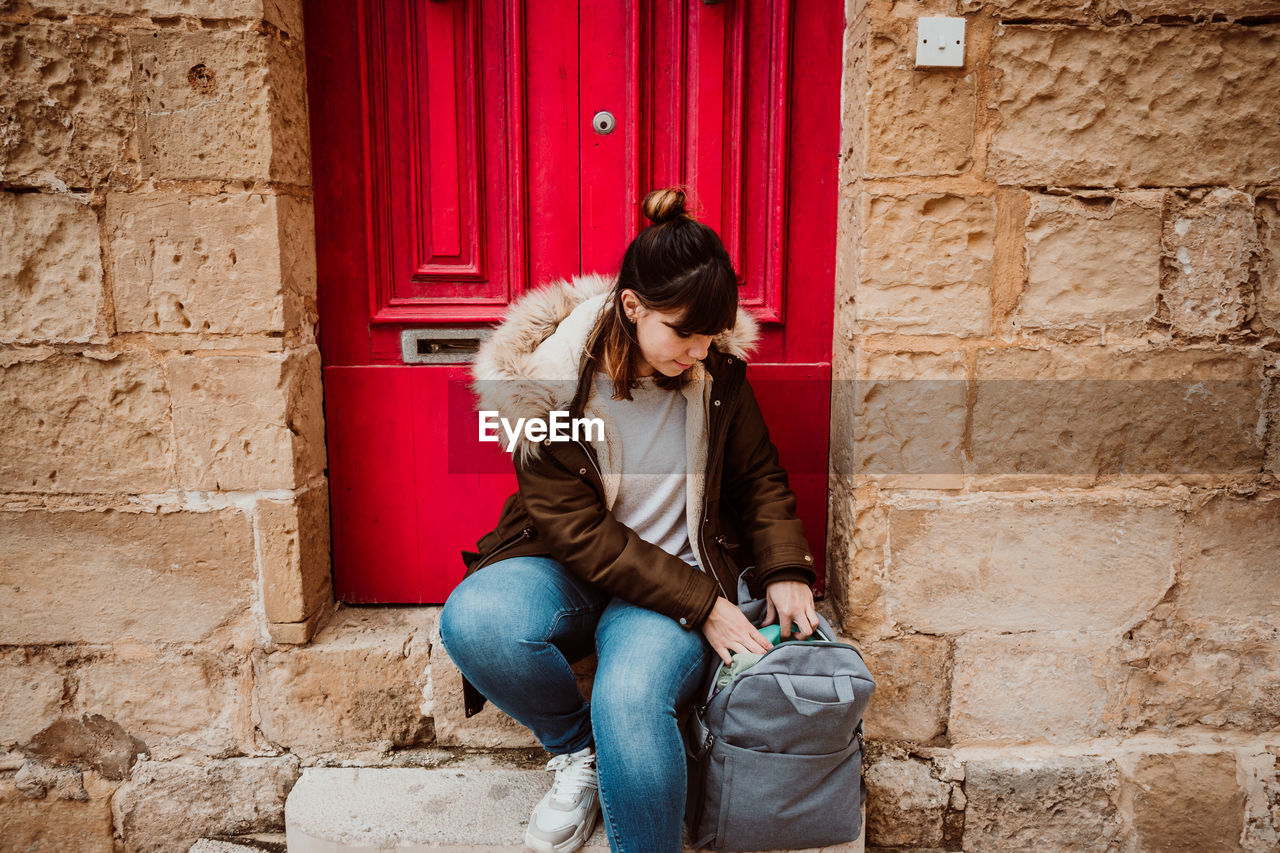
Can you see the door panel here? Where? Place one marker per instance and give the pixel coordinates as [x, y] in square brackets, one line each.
[440, 107]
[456, 166]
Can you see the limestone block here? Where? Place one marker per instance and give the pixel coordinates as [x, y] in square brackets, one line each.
[30, 694]
[905, 804]
[844, 402]
[166, 806]
[909, 415]
[1230, 570]
[1100, 412]
[1268, 212]
[1022, 566]
[179, 704]
[489, 729]
[54, 823]
[888, 10]
[1118, 11]
[37, 779]
[1186, 802]
[1180, 676]
[297, 231]
[858, 547]
[1031, 687]
[247, 422]
[290, 126]
[910, 702]
[1137, 10]
[1068, 804]
[1135, 106]
[1211, 246]
[1212, 654]
[212, 104]
[926, 265]
[293, 550]
[82, 424]
[853, 125]
[359, 683]
[62, 575]
[285, 14]
[1091, 261]
[184, 263]
[65, 121]
[1261, 776]
[1073, 11]
[297, 633]
[916, 123]
[51, 269]
[305, 407]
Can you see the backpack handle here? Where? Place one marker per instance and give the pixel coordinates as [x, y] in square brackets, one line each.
[844, 693]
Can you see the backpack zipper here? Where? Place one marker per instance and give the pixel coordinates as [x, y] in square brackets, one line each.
[711, 693]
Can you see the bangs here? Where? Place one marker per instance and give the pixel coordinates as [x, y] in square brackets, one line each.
[708, 298]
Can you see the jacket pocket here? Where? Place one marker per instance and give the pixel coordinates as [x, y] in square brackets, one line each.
[484, 558]
[773, 800]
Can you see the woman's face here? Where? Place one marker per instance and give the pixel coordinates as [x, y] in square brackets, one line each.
[663, 349]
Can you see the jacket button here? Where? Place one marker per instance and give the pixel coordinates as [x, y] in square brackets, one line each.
[729, 360]
[808, 559]
[716, 402]
[546, 443]
[582, 470]
[683, 621]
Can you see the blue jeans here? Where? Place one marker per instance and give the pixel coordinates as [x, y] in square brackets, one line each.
[514, 627]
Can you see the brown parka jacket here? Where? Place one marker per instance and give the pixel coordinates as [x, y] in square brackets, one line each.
[740, 509]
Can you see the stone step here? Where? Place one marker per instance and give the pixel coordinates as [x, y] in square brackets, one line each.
[408, 809]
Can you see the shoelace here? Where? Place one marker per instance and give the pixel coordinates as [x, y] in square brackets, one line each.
[572, 776]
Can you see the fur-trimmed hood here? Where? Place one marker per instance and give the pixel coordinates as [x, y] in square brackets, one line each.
[531, 363]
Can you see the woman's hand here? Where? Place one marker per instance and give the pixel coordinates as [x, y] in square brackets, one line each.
[728, 631]
[790, 601]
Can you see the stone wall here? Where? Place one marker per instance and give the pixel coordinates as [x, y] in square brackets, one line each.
[1055, 514]
[1055, 521]
[163, 502]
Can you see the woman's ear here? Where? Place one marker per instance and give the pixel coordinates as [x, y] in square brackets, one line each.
[632, 308]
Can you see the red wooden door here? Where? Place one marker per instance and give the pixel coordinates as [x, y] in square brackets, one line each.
[456, 165]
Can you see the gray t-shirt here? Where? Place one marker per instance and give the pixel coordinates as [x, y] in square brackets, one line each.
[651, 499]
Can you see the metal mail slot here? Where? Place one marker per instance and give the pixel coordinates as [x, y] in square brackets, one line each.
[441, 345]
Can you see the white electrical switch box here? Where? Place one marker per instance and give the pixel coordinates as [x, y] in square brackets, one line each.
[940, 41]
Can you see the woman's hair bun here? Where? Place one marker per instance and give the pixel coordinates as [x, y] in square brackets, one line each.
[664, 205]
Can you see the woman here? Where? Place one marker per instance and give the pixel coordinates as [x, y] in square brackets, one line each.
[631, 543]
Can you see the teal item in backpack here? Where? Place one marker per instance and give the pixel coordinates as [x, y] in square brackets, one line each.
[743, 661]
[773, 633]
[775, 757]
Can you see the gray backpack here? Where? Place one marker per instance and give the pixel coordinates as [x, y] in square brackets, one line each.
[775, 757]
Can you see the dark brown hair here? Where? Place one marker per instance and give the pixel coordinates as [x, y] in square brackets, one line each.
[676, 263]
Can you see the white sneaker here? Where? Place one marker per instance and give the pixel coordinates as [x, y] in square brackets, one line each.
[564, 818]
